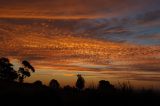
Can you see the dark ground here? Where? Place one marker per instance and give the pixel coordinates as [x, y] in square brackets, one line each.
[16, 94]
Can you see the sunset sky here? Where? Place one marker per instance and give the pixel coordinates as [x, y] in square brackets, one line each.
[115, 40]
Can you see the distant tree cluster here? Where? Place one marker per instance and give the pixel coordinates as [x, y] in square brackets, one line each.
[7, 72]
[80, 84]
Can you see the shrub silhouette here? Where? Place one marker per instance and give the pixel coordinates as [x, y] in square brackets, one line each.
[54, 84]
[105, 85]
[6, 70]
[38, 83]
[80, 82]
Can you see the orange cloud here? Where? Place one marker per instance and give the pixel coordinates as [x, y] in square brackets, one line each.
[71, 8]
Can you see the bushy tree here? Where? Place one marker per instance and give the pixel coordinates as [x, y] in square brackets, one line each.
[105, 85]
[54, 84]
[6, 70]
[24, 71]
[80, 82]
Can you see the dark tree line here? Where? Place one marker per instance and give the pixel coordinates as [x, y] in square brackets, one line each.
[7, 72]
[80, 84]
[37, 93]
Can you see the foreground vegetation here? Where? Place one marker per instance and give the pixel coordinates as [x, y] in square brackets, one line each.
[14, 92]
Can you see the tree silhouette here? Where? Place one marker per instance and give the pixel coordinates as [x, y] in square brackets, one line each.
[105, 85]
[80, 82]
[27, 65]
[54, 84]
[6, 70]
[25, 70]
[38, 83]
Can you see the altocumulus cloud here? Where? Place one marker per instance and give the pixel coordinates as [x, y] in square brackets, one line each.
[109, 35]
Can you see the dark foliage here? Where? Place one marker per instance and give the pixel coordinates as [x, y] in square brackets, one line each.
[13, 93]
[6, 70]
[80, 82]
[25, 70]
[28, 65]
[105, 85]
[38, 83]
[54, 84]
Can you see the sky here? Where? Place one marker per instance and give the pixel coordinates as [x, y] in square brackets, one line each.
[113, 40]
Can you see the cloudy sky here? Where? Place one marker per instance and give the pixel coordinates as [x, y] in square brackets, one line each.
[116, 40]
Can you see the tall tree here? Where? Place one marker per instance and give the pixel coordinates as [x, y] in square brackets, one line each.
[7, 71]
[24, 71]
[80, 82]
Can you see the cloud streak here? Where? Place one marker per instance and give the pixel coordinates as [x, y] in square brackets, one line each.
[74, 8]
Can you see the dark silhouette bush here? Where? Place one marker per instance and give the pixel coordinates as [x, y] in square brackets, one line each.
[38, 83]
[80, 82]
[105, 85]
[54, 84]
